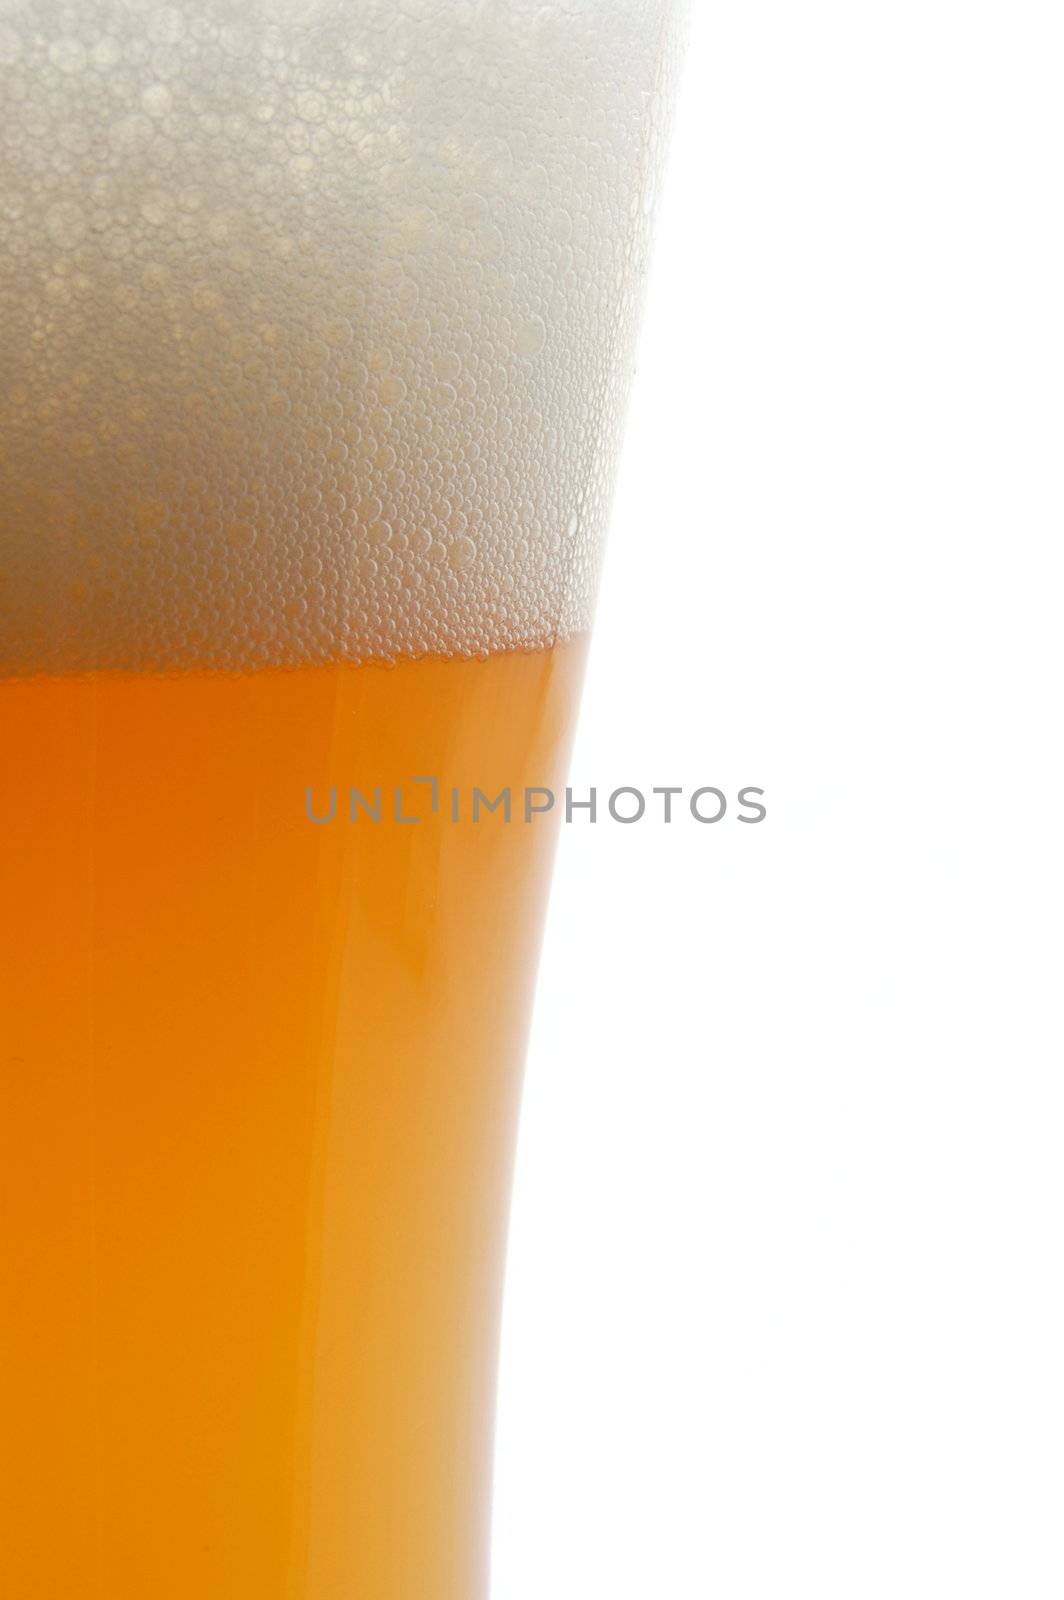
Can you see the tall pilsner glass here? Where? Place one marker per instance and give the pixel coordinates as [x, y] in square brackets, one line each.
[316, 323]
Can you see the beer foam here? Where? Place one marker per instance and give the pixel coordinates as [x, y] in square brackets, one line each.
[316, 321]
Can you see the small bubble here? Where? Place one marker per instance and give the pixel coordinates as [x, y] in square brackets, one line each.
[157, 207]
[130, 131]
[240, 535]
[69, 55]
[531, 336]
[116, 244]
[448, 367]
[473, 209]
[236, 41]
[312, 106]
[157, 100]
[149, 515]
[106, 53]
[407, 295]
[461, 552]
[391, 390]
[561, 225]
[206, 297]
[166, 26]
[493, 158]
[489, 242]
[66, 224]
[338, 332]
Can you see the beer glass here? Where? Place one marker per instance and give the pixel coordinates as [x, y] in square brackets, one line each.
[316, 322]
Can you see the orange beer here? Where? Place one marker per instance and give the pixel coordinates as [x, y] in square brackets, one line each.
[260, 1077]
[316, 322]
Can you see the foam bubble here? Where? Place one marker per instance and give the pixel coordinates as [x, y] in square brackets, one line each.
[316, 321]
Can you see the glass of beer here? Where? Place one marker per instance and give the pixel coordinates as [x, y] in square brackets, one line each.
[316, 323]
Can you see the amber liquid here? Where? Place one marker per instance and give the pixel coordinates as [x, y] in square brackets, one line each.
[258, 1083]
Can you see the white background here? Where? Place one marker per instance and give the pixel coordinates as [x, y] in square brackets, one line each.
[785, 1312]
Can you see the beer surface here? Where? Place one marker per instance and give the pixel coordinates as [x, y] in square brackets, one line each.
[257, 1088]
[316, 321]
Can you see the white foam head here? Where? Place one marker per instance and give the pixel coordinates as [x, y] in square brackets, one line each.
[316, 320]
